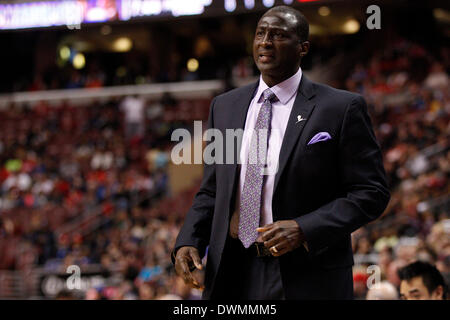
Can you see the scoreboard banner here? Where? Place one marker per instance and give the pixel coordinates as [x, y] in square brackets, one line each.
[38, 14]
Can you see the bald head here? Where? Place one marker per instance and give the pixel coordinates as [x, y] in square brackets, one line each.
[295, 17]
[382, 291]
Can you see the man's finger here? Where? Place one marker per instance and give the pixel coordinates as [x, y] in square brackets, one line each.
[265, 227]
[280, 252]
[184, 267]
[196, 259]
[280, 241]
[272, 242]
[192, 281]
[188, 277]
[269, 234]
[279, 248]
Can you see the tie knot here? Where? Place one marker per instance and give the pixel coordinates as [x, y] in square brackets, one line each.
[269, 95]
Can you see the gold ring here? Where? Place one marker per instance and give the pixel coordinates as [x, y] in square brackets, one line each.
[274, 249]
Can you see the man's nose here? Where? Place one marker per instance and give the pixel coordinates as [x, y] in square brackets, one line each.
[266, 40]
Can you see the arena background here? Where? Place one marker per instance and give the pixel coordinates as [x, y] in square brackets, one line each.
[91, 90]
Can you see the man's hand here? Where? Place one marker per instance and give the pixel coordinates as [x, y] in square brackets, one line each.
[282, 236]
[188, 259]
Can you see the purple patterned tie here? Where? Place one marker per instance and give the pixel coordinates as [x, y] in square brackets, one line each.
[250, 202]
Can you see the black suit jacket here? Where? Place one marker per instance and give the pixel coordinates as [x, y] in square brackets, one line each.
[330, 188]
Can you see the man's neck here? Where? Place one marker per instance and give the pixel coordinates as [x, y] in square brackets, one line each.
[271, 80]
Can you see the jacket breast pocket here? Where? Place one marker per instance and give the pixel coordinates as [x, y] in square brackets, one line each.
[321, 148]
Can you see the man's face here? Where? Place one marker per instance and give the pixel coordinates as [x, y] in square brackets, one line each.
[415, 289]
[276, 46]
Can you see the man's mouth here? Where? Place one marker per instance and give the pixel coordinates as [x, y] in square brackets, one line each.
[264, 57]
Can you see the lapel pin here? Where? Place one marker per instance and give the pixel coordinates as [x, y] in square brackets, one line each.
[299, 118]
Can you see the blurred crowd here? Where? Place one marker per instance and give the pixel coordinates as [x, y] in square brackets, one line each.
[407, 90]
[89, 185]
[109, 161]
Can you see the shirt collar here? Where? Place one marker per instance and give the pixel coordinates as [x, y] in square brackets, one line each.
[284, 90]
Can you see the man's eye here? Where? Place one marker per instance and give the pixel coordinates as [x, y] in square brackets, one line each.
[278, 35]
[259, 33]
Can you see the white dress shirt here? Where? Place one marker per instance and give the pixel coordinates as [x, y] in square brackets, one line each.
[286, 92]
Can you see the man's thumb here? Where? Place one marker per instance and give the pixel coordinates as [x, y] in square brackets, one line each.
[196, 259]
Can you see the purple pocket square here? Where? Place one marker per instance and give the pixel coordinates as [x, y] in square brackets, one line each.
[321, 136]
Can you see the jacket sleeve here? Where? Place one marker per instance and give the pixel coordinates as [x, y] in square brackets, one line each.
[364, 192]
[196, 229]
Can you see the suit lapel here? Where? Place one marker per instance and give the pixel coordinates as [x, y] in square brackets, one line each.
[241, 105]
[303, 105]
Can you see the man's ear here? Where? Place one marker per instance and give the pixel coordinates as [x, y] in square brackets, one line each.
[438, 293]
[304, 48]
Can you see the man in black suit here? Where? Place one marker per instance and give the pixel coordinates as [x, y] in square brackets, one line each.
[329, 181]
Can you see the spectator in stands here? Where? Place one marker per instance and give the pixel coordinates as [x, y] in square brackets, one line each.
[422, 281]
[134, 109]
[437, 78]
[382, 291]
